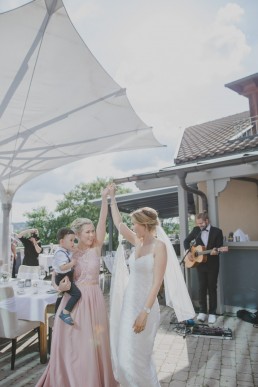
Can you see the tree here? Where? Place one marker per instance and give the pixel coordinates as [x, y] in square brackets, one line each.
[46, 222]
[171, 226]
[76, 204]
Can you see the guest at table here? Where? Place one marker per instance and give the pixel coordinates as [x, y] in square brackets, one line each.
[32, 246]
[80, 355]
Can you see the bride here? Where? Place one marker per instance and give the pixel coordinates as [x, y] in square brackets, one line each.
[139, 317]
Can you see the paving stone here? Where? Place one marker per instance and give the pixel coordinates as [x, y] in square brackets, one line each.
[193, 361]
[229, 372]
[176, 383]
[165, 377]
[211, 383]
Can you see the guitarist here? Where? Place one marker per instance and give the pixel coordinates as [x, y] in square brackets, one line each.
[211, 237]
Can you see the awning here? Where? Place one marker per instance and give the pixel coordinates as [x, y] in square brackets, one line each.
[57, 104]
[164, 201]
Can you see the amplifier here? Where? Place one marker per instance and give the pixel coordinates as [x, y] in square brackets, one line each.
[212, 332]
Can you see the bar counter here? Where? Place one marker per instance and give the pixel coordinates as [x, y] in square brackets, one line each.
[238, 280]
[242, 245]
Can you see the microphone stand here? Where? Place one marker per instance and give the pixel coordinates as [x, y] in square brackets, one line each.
[188, 323]
[192, 243]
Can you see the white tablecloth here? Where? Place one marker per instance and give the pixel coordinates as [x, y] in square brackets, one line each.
[30, 306]
[46, 261]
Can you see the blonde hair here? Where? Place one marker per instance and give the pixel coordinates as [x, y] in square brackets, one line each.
[78, 224]
[203, 216]
[146, 216]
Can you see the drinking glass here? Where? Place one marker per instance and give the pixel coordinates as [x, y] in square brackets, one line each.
[42, 274]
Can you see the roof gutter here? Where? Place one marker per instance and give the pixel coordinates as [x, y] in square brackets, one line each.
[179, 169]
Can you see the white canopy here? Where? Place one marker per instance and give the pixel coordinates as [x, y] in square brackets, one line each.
[57, 104]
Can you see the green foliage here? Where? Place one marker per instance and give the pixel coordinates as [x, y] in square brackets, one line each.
[75, 204]
[171, 226]
[191, 223]
[45, 222]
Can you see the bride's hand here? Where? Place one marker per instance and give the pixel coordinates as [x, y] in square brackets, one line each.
[140, 322]
[112, 189]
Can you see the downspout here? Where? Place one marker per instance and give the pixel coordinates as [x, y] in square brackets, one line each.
[182, 176]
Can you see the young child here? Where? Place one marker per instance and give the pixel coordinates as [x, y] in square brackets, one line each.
[63, 266]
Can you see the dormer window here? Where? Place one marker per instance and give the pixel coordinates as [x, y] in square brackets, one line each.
[245, 128]
[242, 132]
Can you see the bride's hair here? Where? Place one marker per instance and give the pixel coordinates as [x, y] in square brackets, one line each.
[146, 216]
[78, 224]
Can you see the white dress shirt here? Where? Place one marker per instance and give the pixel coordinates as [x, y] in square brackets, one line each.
[205, 235]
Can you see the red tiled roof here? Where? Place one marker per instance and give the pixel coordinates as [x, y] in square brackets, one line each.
[213, 139]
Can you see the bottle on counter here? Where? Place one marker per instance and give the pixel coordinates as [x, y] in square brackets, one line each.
[230, 237]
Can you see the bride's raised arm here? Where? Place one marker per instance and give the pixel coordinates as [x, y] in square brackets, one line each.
[128, 234]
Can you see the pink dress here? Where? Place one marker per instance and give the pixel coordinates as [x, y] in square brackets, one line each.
[80, 354]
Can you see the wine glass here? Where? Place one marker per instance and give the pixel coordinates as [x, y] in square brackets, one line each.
[5, 273]
[5, 276]
[42, 274]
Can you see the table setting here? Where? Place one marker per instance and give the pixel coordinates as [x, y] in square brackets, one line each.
[32, 297]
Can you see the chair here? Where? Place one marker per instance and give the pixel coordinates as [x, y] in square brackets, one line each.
[51, 320]
[31, 272]
[10, 326]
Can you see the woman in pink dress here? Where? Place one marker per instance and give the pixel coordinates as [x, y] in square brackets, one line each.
[80, 354]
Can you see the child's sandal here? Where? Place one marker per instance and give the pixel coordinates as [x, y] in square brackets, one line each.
[66, 318]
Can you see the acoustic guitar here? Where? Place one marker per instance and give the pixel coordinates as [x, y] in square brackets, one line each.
[200, 255]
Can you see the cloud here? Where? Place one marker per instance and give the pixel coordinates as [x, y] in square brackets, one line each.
[47, 200]
[225, 46]
[174, 58]
[231, 12]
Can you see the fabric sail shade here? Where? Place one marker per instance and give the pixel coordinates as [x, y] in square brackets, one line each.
[57, 103]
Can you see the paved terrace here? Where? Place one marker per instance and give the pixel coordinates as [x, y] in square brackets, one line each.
[191, 361]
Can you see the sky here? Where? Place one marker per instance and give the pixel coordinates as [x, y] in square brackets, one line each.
[174, 58]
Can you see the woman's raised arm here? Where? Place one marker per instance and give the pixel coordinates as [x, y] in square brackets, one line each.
[128, 234]
[101, 226]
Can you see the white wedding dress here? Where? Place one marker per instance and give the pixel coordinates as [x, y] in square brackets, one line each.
[135, 367]
[131, 353]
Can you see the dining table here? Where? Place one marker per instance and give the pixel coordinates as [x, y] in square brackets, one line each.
[32, 303]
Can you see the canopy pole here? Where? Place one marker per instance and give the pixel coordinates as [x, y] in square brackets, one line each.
[5, 248]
